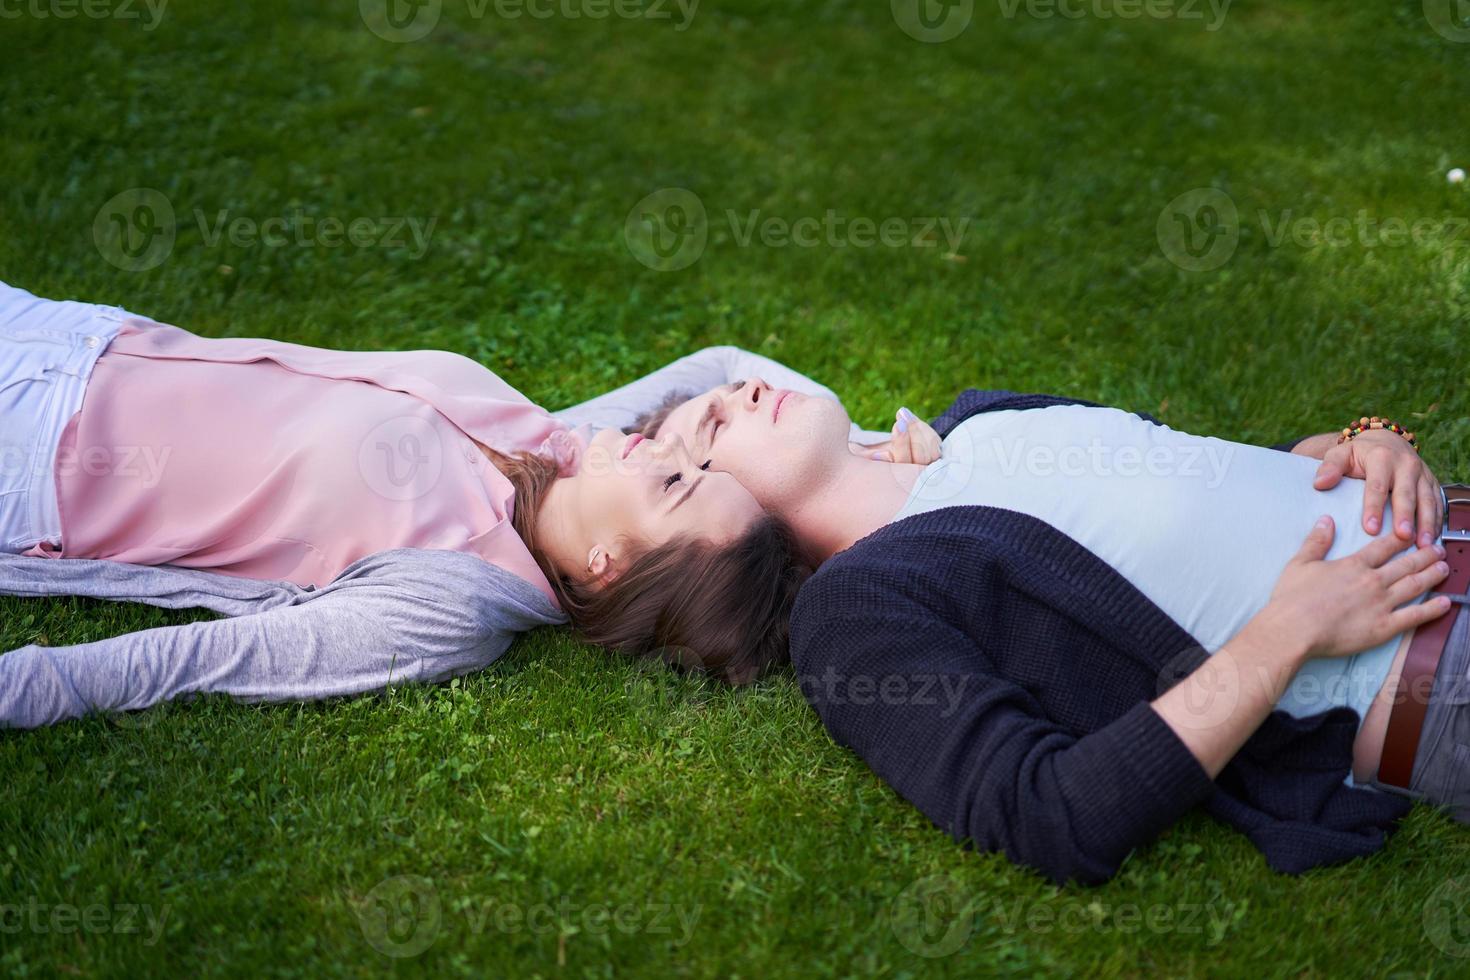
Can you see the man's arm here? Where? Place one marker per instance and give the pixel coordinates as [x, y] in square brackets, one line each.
[976, 753]
[1313, 446]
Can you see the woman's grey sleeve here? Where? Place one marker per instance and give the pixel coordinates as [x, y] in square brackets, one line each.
[397, 616]
[691, 375]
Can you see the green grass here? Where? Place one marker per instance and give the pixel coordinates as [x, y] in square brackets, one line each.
[559, 781]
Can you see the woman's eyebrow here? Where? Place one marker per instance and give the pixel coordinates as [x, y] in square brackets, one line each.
[685, 496]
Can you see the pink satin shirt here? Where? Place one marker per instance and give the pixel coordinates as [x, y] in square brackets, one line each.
[273, 460]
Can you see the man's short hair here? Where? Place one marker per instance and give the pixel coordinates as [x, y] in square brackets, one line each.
[652, 420]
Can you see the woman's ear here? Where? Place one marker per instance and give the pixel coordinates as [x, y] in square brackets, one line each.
[601, 565]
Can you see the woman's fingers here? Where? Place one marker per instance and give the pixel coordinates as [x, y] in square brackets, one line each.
[1334, 465]
[901, 449]
[1377, 478]
[1428, 517]
[1405, 487]
[911, 440]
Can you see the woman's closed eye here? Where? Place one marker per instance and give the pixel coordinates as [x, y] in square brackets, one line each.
[672, 479]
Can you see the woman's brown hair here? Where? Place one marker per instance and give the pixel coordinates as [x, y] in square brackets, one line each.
[724, 609]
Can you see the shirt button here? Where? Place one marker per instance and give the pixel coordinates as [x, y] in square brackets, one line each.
[93, 341]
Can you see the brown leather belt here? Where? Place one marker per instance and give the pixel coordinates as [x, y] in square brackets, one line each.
[1411, 700]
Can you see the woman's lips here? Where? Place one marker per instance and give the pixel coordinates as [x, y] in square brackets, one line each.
[629, 443]
[776, 408]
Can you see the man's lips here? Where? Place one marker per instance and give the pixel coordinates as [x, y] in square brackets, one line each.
[776, 408]
[629, 443]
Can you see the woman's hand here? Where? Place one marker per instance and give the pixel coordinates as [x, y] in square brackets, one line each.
[1389, 464]
[913, 441]
[1342, 606]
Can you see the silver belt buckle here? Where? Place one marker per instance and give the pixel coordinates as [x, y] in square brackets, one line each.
[1447, 533]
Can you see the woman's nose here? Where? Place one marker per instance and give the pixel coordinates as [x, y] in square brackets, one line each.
[671, 447]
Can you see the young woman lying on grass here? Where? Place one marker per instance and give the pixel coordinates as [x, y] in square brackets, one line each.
[360, 518]
[1079, 623]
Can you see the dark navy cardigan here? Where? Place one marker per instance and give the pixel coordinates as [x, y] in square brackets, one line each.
[998, 675]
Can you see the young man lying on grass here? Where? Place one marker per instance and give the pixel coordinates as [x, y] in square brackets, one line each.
[1080, 623]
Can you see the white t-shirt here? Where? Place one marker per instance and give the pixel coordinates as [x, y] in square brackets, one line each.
[1202, 526]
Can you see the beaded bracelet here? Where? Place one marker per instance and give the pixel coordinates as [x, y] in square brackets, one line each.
[1365, 423]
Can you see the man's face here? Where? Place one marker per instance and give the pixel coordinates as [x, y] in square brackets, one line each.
[780, 444]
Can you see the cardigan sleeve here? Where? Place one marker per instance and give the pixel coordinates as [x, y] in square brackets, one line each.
[397, 616]
[974, 752]
[1287, 447]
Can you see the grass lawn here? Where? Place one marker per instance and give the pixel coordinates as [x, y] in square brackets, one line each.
[562, 814]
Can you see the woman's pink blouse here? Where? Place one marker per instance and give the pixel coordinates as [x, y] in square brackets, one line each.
[271, 460]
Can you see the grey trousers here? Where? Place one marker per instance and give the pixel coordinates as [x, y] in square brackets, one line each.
[1442, 762]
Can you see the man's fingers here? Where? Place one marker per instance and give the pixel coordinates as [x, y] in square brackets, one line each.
[1379, 550]
[1410, 617]
[1418, 581]
[1407, 563]
[1318, 541]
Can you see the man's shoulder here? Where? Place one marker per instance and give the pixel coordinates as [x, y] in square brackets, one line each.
[955, 562]
[974, 401]
[903, 565]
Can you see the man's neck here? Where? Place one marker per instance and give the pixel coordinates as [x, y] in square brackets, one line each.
[862, 496]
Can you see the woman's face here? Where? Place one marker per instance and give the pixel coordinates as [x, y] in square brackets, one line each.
[645, 492]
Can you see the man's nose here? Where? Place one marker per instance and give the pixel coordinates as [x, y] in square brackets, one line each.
[752, 392]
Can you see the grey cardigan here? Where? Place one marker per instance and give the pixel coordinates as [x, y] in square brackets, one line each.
[396, 616]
